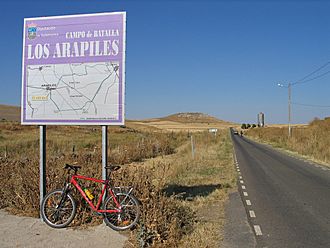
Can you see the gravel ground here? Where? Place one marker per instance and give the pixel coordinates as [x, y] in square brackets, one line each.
[18, 231]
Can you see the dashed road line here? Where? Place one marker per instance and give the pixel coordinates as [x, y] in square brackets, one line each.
[257, 230]
[252, 214]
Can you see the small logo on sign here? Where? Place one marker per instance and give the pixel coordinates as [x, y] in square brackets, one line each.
[32, 31]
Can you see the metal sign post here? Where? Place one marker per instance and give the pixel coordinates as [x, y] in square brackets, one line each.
[104, 154]
[42, 166]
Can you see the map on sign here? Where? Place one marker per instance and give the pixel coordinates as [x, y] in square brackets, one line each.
[80, 89]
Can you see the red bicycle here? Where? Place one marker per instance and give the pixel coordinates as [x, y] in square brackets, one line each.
[120, 209]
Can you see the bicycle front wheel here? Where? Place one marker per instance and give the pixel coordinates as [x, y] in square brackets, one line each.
[58, 208]
[129, 215]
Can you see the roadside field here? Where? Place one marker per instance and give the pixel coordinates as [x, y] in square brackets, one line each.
[182, 198]
[177, 126]
[310, 140]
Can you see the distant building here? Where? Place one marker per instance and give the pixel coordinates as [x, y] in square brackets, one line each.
[261, 119]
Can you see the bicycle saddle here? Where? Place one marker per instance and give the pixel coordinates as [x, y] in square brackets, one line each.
[112, 167]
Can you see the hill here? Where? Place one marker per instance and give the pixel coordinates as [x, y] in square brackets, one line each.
[189, 121]
[190, 117]
[10, 113]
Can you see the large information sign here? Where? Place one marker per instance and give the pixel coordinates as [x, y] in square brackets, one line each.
[74, 69]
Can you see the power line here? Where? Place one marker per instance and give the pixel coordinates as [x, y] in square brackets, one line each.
[311, 79]
[311, 105]
[305, 80]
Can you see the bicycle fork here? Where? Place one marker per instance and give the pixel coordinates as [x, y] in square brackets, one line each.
[64, 195]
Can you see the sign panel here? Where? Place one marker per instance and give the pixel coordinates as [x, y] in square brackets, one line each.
[74, 70]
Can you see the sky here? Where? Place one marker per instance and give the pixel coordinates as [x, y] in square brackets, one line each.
[223, 58]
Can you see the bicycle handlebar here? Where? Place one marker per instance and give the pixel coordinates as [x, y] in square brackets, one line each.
[72, 167]
[77, 167]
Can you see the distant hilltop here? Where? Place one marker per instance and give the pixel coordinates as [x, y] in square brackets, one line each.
[190, 117]
[10, 113]
[13, 113]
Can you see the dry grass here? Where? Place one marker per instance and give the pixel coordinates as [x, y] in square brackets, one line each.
[9, 113]
[179, 127]
[19, 152]
[312, 141]
[200, 185]
[182, 199]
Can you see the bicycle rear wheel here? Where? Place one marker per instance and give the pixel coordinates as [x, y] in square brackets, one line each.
[129, 215]
[58, 209]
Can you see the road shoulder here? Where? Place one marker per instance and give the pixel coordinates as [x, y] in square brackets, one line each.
[237, 230]
[18, 231]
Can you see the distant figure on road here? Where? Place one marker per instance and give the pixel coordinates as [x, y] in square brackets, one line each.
[241, 133]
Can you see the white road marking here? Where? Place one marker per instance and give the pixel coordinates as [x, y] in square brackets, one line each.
[252, 214]
[248, 202]
[324, 168]
[243, 187]
[257, 230]
[241, 181]
[238, 170]
[240, 177]
[245, 193]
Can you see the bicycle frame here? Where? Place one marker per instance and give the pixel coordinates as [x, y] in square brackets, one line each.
[98, 205]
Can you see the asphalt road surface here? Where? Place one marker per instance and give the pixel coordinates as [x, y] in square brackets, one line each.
[287, 200]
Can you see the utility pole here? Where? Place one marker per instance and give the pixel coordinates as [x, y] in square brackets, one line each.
[289, 106]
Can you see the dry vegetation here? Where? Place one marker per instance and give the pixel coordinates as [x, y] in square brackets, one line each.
[312, 141]
[182, 199]
[9, 113]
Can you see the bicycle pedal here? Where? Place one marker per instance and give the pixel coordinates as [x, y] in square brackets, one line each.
[97, 214]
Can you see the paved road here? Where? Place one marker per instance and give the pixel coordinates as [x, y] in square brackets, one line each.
[27, 232]
[287, 200]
